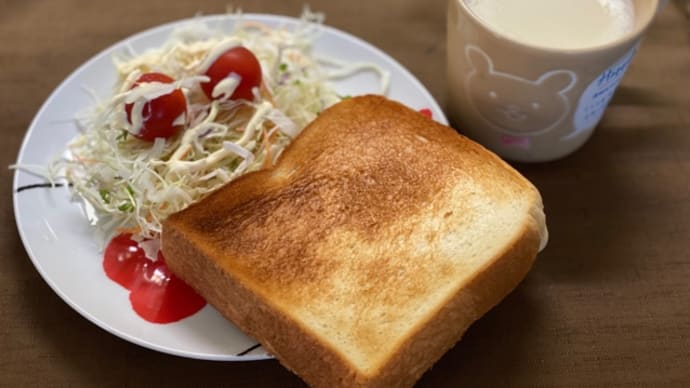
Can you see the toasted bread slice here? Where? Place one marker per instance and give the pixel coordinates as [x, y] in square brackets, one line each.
[368, 250]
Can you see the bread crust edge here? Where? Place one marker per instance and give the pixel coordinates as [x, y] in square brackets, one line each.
[305, 354]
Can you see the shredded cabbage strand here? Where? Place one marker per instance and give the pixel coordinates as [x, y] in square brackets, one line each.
[134, 185]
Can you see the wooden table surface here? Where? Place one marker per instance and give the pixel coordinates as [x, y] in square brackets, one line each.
[607, 304]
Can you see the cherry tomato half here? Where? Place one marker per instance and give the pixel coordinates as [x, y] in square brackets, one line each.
[241, 62]
[160, 113]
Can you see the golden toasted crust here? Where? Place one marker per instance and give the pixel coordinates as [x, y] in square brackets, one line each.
[359, 259]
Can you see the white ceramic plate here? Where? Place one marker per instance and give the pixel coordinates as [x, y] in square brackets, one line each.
[60, 241]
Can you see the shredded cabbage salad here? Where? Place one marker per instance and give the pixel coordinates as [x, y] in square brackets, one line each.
[133, 185]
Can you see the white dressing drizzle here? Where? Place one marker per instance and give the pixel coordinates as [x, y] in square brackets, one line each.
[134, 184]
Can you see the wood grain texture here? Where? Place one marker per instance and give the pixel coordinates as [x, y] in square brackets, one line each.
[605, 306]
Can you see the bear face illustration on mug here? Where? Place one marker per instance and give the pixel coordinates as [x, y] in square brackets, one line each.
[516, 105]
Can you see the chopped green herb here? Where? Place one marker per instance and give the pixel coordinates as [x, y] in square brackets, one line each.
[122, 136]
[283, 67]
[105, 195]
[126, 207]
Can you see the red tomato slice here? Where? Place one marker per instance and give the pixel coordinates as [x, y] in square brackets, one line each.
[156, 294]
[159, 114]
[238, 61]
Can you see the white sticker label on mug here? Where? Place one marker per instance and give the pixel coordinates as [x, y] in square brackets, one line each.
[598, 94]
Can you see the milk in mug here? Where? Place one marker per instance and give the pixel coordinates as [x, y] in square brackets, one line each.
[559, 24]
